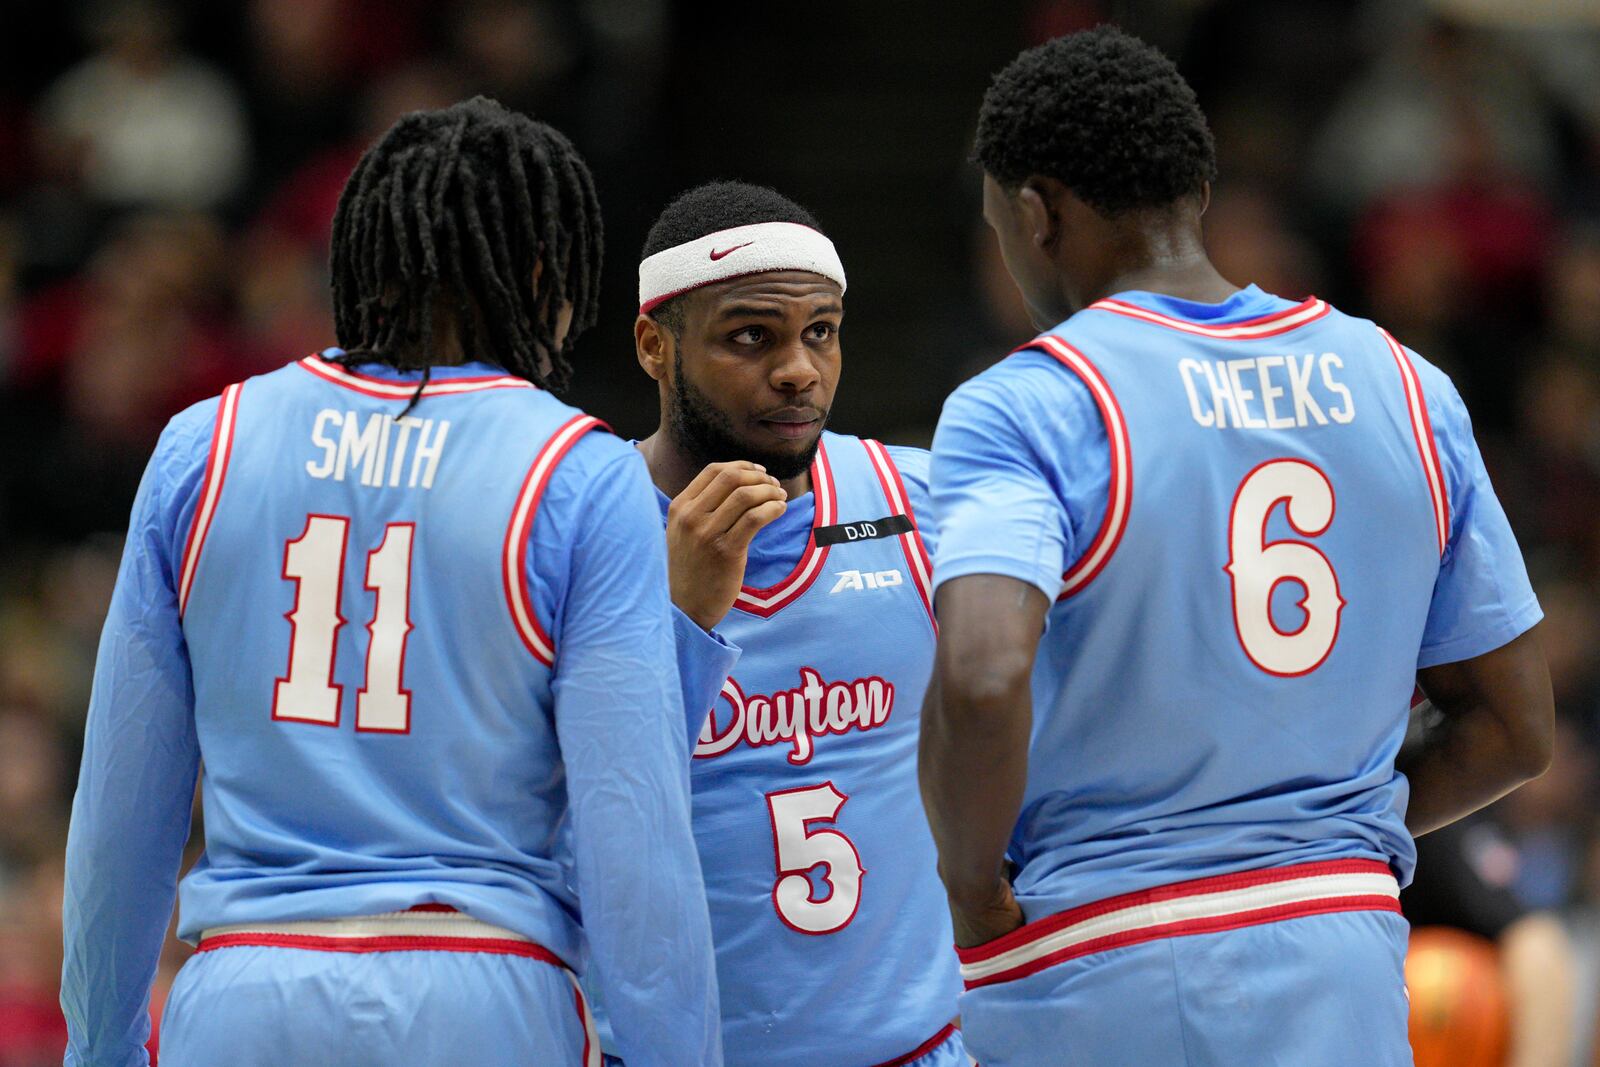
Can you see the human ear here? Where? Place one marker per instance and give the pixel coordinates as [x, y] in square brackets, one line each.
[1039, 217]
[652, 344]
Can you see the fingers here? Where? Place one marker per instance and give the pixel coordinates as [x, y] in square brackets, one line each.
[749, 524]
[741, 501]
[712, 487]
[710, 471]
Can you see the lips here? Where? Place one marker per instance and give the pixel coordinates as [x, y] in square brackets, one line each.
[792, 424]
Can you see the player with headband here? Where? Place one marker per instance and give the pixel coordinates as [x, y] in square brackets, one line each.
[803, 547]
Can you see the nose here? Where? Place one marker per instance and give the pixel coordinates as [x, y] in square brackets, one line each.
[794, 368]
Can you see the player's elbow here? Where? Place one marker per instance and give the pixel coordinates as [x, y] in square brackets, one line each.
[982, 686]
[1532, 742]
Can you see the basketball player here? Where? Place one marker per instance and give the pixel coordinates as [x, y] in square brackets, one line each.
[830, 927]
[1245, 527]
[378, 593]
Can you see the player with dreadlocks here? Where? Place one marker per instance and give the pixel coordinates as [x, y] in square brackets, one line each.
[417, 825]
[1197, 544]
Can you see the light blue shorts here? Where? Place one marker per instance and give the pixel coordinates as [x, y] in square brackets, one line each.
[257, 1006]
[1319, 991]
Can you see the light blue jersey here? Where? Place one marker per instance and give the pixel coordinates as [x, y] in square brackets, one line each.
[1257, 519]
[427, 660]
[831, 929]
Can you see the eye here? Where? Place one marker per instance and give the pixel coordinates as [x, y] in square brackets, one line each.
[820, 331]
[750, 335]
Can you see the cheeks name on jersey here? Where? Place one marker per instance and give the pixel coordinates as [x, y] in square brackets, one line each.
[1267, 392]
[797, 716]
[375, 453]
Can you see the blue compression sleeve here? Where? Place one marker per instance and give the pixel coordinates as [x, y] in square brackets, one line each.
[619, 716]
[130, 817]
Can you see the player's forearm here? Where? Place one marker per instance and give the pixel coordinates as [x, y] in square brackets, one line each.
[1495, 730]
[973, 766]
[645, 917]
[1460, 766]
[129, 824]
[705, 661]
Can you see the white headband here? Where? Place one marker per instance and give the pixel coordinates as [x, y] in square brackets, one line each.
[733, 253]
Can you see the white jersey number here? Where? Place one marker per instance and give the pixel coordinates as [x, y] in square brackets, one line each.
[314, 561]
[799, 849]
[1257, 567]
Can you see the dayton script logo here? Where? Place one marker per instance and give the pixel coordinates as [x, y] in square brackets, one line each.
[795, 716]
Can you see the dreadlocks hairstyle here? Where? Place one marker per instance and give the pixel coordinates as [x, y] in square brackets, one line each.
[1104, 113]
[706, 209]
[454, 208]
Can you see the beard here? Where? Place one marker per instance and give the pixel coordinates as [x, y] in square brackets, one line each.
[706, 433]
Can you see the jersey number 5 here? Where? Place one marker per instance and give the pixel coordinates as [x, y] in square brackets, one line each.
[1256, 567]
[314, 561]
[799, 849]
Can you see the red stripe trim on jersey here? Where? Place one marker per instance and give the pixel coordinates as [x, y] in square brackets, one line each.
[496, 946]
[383, 389]
[923, 1049]
[1203, 905]
[894, 491]
[773, 599]
[514, 573]
[1119, 494]
[591, 1040]
[1271, 325]
[210, 489]
[1422, 434]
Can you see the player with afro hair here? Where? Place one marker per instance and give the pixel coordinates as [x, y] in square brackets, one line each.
[1097, 160]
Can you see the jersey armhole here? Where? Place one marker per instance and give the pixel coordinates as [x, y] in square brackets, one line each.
[1119, 493]
[515, 553]
[210, 490]
[894, 491]
[1422, 434]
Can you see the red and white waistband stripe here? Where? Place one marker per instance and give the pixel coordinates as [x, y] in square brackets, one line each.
[769, 601]
[515, 549]
[1422, 433]
[210, 489]
[1202, 906]
[894, 491]
[384, 389]
[420, 929]
[1120, 491]
[1250, 330]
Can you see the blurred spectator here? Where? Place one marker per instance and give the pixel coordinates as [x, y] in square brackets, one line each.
[144, 124]
[1250, 242]
[1400, 125]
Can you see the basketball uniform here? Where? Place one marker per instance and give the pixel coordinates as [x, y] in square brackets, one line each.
[438, 723]
[1257, 519]
[831, 929]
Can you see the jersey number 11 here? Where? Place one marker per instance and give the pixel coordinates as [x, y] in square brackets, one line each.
[314, 561]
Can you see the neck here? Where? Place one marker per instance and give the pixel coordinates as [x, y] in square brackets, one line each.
[672, 468]
[1161, 256]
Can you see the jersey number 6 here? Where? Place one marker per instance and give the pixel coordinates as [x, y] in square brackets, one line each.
[800, 848]
[1256, 567]
[314, 561]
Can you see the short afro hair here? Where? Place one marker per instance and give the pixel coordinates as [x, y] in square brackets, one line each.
[706, 209]
[1104, 113]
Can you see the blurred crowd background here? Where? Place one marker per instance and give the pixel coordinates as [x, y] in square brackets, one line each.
[169, 168]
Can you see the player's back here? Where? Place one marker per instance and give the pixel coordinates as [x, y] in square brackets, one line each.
[372, 682]
[1224, 682]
